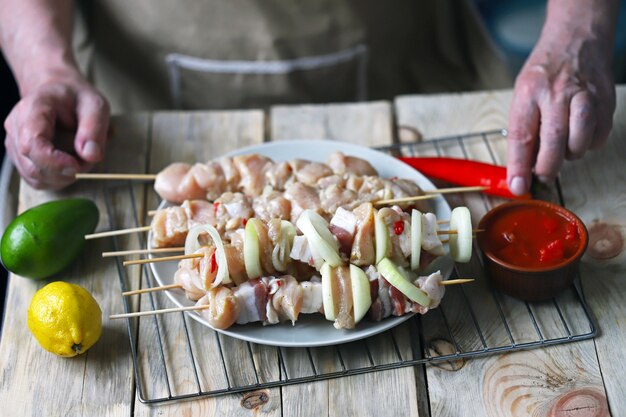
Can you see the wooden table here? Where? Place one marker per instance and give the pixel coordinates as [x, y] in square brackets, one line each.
[586, 378]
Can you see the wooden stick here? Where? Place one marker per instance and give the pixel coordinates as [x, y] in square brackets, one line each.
[152, 289]
[153, 312]
[141, 252]
[454, 232]
[456, 281]
[456, 190]
[118, 232]
[405, 199]
[152, 212]
[145, 177]
[163, 259]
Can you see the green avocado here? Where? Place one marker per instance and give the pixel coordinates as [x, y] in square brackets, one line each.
[46, 239]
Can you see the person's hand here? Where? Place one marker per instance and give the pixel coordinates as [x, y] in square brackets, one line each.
[60, 102]
[562, 106]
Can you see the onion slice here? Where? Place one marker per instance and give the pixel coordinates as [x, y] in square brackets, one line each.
[460, 243]
[321, 242]
[361, 295]
[192, 245]
[381, 234]
[416, 239]
[396, 278]
[329, 290]
[251, 250]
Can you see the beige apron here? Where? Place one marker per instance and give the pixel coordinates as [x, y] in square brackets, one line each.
[216, 54]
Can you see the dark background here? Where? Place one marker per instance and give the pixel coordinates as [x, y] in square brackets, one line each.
[8, 98]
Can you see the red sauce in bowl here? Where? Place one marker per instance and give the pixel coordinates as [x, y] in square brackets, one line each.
[533, 236]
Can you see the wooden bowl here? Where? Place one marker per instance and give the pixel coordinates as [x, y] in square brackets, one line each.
[533, 283]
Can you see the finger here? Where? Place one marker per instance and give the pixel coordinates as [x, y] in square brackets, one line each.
[553, 135]
[582, 125]
[521, 146]
[93, 123]
[24, 166]
[605, 110]
[35, 143]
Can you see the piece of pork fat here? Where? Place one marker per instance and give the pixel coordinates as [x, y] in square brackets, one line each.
[431, 285]
[363, 251]
[302, 197]
[199, 212]
[430, 239]
[382, 305]
[335, 196]
[285, 299]
[341, 163]
[301, 251]
[343, 227]
[312, 301]
[169, 227]
[252, 169]
[343, 286]
[231, 209]
[391, 218]
[252, 298]
[271, 204]
[223, 310]
[279, 175]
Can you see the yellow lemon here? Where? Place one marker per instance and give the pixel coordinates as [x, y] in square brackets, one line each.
[65, 319]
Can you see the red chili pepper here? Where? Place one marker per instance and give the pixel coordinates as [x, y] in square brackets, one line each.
[216, 205]
[398, 227]
[244, 221]
[212, 263]
[465, 173]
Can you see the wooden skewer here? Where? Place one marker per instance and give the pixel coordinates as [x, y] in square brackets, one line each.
[203, 307]
[163, 259]
[86, 176]
[153, 289]
[456, 190]
[456, 281]
[454, 232]
[141, 252]
[153, 312]
[176, 286]
[118, 232]
[404, 199]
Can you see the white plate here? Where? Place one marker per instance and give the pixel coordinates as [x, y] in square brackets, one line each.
[312, 329]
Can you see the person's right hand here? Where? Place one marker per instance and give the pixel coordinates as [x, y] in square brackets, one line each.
[61, 102]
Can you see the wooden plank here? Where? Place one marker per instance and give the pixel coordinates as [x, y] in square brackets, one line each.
[367, 124]
[392, 392]
[192, 137]
[522, 383]
[99, 382]
[594, 187]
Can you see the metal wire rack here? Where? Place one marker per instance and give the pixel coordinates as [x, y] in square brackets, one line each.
[176, 358]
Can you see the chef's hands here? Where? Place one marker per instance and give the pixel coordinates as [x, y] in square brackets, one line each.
[61, 101]
[562, 106]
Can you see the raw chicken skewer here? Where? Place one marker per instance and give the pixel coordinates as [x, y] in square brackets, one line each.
[266, 250]
[344, 295]
[252, 174]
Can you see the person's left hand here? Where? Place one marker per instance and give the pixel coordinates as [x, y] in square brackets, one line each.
[562, 107]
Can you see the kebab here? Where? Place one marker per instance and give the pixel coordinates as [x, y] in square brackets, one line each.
[344, 295]
[409, 241]
[347, 292]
